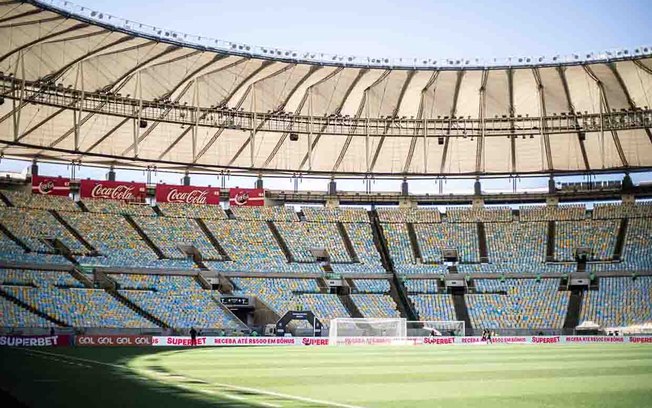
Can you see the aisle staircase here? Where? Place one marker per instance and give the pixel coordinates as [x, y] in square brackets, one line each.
[211, 238]
[482, 243]
[461, 310]
[144, 236]
[550, 242]
[620, 240]
[280, 241]
[414, 243]
[347, 243]
[574, 309]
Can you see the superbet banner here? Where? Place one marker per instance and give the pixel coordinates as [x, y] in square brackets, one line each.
[113, 340]
[113, 190]
[242, 197]
[187, 194]
[58, 186]
[35, 341]
[169, 341]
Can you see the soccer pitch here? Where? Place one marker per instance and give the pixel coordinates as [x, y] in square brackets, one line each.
[365, 376]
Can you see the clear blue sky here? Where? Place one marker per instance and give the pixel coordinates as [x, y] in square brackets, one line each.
[408, 28]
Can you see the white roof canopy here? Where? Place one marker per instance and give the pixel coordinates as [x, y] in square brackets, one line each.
[210, 110]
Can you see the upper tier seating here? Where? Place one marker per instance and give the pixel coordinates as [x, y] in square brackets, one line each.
[168, 233]
[252, 247]
[371, 285]
[11, 252]
[398, 243]
[619, 302]
[178, 301]
[178, 210]
[30, 226]
[41, 202]
[613, 210]
[434, 307]
[433, 238]
[118, 242]
[362, 240]
[301, 237]
[527, 304]
[351, 215]
[598, 235]
[550, 213]
[413, 215]
[637, 249]
[488, 214]
[417, 286]
[375, 305]
[265, 213]
[516, 242]
[118, 207]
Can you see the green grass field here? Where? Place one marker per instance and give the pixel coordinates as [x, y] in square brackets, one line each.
[367, 376]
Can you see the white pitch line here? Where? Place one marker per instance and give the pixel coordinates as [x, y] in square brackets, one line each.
[233, 387]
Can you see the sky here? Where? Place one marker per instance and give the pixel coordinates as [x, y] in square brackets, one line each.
[381, 28]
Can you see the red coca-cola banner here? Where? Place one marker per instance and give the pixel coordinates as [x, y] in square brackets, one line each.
[58, 186]
[113, 340]
[240, 197]
[113, 190]
[187, 194]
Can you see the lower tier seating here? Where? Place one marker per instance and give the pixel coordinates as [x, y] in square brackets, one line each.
[517, 303]
[434, 307]
[12, 315]
[375, 305]
[619, 302]
[178, 301]
[81, 308]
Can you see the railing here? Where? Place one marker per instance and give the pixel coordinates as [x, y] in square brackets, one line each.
[221, 117]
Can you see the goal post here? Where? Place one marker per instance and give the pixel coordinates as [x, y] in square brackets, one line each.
[367, 327]
[435, 327]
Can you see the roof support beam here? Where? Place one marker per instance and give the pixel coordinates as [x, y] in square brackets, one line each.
[421, 116]
[192, 74]
[306, 97]
[571, 108]
[107, 135]
[456, 94]
[363, 101]
[311, 148]
[605, 104]
[630, 101]
[21, 15]
[479, 149]
[542, 114]
[167, 50]
[42, 39]
[399, 101]
[257, 126]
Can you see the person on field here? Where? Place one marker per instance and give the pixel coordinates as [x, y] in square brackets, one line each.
[193, 336]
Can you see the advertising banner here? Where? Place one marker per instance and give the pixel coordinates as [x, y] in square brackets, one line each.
[113, 340]
[58, 186]
[35, 341]
[113, 190]
[187, 194]
[162, 341]
[243, 197]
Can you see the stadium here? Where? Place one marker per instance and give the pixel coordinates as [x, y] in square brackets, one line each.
[121, 290]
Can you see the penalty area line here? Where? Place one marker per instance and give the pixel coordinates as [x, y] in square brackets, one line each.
[229, 386]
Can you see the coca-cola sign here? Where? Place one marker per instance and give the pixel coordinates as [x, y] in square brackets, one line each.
[112, 190]
[187, 194]
[239, 197]
[58, 186]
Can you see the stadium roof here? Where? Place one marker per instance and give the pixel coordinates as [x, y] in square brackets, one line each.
[83, 85]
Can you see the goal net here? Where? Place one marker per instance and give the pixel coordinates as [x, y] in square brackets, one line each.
[435, 328]
[366, 327]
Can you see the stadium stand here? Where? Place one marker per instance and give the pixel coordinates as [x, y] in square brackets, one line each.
[421, 286]
[434, 307]
[517, 303]
[33, 226]
[619, 302]
[490, 214]
[178, 210]
[303, 236]
[12, 315]
[598, 235]
[118, 207]
[516, 242]
[168, 233]
[413, 215]
[265, 214]
[550, 213]
[433, 238]
[40, 202]
[348, 215]
[375, 305]
[176, 300]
